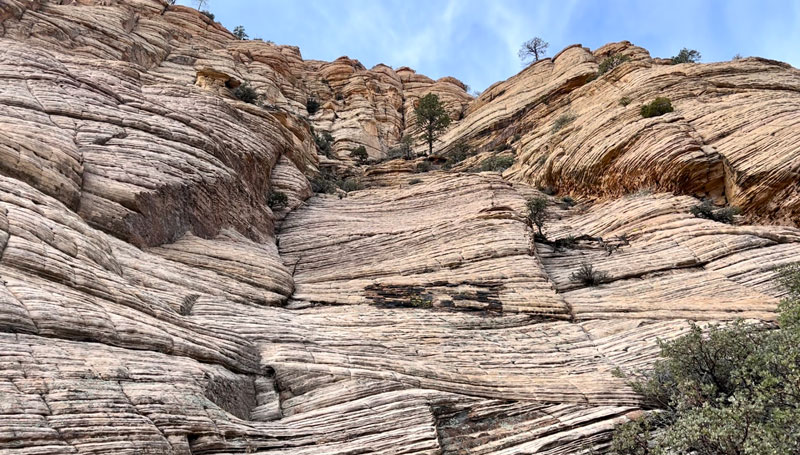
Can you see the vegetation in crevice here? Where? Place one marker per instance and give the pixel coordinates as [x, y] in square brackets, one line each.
[244, 92]
[611, 62]
[707, 210]
[277, 200]
[562, 121]
[658, 106]
[588, 275]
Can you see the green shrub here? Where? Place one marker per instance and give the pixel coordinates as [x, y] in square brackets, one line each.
[424, 166]
[351, 184]
[325, 182]
[246, 93]
[403, 149]
[537, 212]
[312, 105]
[625, 100]
[497, 163]
[360, 154]
[460, 152]
[563, 120]
[324, 142]
[686, 56]
[277, 200]
[414, 181]
[732, 389]
[208, 14]
[611, 62]
[328, 182]
[707, 210]
[502, 147]
[658, 106]
[568, 201]
[586, 274]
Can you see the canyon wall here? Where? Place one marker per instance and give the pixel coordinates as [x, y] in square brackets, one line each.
[153, 302]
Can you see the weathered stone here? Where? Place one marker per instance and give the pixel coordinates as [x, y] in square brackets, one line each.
[153, 302]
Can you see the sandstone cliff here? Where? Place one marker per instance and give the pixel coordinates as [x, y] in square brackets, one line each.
[153, 302]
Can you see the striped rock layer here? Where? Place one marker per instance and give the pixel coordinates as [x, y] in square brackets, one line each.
[152, 302]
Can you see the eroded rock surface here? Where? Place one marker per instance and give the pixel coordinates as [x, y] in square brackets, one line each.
[153, 302]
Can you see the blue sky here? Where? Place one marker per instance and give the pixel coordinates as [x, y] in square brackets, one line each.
[476, 41]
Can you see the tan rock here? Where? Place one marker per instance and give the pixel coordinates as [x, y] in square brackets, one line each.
[152, 302]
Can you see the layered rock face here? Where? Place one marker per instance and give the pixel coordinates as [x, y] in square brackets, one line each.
[732, 135]
[153, 302]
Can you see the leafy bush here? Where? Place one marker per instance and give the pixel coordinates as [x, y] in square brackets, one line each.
[537, 212]
[208, 14]
[497, 163]
[360, 154]
[328, 182]
[586, 274]
[568, 201]
[563, 120]
[658, 106]
[325, 142]
[351, 184]
[312, 105]
[246, 93]
[707, 210]
[460, 152]
[325, 182]
[686, 56]
[277, 200]
[403, 149]
[732, 389]
[502, 147]
[625, 100]
[424, 166]
[611, 62]
[414, 181]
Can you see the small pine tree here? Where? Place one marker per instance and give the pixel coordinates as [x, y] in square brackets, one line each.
[686, 56]
[239, 32]
[432, 118]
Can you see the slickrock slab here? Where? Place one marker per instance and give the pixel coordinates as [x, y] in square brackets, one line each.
[668, 263]
[450, 241]
[149, 304]
[509, 357]
[69, 397]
